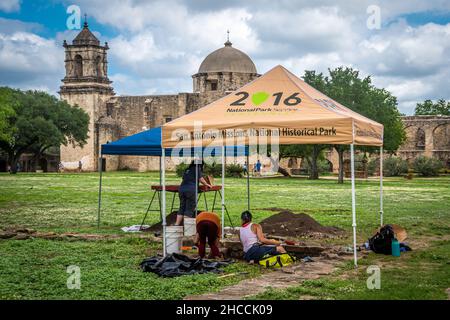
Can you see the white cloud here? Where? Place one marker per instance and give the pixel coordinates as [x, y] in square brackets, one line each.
[30, 61]
[159, 44]
[10, 5]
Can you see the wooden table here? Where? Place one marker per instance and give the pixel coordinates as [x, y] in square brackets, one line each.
[157, 189]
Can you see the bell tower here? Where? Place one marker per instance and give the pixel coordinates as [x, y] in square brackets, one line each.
[86, 84]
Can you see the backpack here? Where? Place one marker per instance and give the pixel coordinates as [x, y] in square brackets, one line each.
[277, 261]
[381, 242]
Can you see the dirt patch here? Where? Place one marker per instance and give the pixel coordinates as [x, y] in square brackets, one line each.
[289, 224]
[26, 233]
[157, 227]
[275, 279]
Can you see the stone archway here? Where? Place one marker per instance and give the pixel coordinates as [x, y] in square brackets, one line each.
[441, 137]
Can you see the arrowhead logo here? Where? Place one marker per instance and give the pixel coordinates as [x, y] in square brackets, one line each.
[259, 97]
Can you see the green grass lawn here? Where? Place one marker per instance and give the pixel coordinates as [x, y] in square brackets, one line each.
[36, 268]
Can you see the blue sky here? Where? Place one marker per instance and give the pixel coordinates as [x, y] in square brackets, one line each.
[155, 46]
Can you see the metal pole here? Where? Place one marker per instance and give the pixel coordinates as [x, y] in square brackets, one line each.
[163, 178]
[248, 182]
[196, 185]
[352, 159]
[100, 170]
[160, 183]
[381, 185]
[223, 191]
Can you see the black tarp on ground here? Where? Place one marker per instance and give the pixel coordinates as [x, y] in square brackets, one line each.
[174, 265]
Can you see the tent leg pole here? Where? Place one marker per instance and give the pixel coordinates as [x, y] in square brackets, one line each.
[100, 170]
[223, 191]
[381, 186]
[160, 183]
[163, 209]
[196, 185]
[352, 155]
[248, 183]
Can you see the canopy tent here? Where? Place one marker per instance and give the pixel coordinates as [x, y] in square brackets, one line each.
[280, 105]
[148, 143]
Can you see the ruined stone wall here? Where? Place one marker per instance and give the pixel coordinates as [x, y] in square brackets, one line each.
[428, 136]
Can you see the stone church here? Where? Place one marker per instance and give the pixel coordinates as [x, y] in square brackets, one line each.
[113, 117]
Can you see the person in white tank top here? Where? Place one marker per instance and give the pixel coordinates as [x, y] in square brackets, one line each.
[254, 242]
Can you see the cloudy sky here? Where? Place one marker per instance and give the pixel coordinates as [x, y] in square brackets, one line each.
[155, 46]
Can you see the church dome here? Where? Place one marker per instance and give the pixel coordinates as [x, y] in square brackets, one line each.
[227, 59]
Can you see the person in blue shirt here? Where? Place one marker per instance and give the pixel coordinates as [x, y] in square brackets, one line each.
[258, 168]
[186, 192]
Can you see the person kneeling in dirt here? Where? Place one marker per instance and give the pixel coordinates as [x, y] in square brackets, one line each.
[208, 226]
[255, 244]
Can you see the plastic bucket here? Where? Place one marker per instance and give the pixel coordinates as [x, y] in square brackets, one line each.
[174, 237]
[190, 228]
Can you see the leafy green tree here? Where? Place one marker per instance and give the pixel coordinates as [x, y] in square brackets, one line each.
[429, 108]
[6, 114]
[310, 152]
[42, 121]
[358, 94]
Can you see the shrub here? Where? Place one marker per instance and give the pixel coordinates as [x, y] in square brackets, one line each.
[180, 168]
[234, 170]
[410, 174]
[214, 170]
[394, 166]
[372, 166]
[427, 167]
[323, 166]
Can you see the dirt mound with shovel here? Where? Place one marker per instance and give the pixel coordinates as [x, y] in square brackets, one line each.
[288, 224]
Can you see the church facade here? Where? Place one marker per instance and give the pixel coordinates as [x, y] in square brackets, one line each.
[113, 117]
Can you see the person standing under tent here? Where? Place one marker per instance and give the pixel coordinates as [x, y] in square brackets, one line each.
[187, 192]
[208, 227]
[255, 244]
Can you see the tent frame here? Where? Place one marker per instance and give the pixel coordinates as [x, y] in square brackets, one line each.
[162, 182]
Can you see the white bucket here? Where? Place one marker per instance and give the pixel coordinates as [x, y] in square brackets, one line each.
[174, 237]
[190, 228]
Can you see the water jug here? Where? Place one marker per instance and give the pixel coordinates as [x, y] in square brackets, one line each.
[395, 248]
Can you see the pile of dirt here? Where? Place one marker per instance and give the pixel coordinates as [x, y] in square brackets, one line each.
[157, 227]
[288, 224]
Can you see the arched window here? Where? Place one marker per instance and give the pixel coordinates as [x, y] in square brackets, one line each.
[420, 139]
[78, 66]
[98, 66]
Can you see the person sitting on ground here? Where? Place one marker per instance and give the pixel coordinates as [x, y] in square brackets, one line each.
[256, 246]
[208, 227]
[186, 192]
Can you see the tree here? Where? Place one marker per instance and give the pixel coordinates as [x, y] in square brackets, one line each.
[42, 121]
[309, 152]
[6, 114]
[345, 86]
[429, 108]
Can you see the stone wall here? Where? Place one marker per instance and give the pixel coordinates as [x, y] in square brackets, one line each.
[428, 136]
[91, 102]
[223, 81]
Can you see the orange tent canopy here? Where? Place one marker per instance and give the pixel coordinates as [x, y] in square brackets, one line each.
[277, 103]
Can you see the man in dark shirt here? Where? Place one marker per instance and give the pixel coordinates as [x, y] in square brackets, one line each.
[186, 192]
